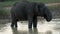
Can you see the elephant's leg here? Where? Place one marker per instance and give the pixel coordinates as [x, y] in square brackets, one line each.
[30, 19]
[12, 24]
[35, 21]
[14, 21]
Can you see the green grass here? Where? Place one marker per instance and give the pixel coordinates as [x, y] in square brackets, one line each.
[3, 12]
[10, 3]
[6, 4]
[46, 1]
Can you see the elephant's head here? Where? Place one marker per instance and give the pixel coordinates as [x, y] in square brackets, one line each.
[45, 12]
[48, 14]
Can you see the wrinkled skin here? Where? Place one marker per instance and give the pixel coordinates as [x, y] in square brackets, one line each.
[29, 11]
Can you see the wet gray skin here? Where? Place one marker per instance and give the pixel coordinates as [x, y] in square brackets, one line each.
[43, 27]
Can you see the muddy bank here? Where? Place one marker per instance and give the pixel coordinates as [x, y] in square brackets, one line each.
[3, 21]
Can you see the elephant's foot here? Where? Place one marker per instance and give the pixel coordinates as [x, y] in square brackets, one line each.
[35, 26]
[15, 26]
[12, 25]
[30, 26]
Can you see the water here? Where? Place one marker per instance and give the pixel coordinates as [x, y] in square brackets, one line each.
[43, 27]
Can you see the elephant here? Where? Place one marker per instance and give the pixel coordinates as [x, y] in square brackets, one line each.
[25, 10]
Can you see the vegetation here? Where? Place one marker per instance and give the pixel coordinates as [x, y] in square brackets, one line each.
[3, 12]
[46, 1]
[11, 2]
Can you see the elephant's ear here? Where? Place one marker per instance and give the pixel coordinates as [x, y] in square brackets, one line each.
[48, 14]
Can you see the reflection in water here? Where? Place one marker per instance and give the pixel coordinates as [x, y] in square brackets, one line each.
[48, 32]
[14, 30]
[34, 31]
[31, 31]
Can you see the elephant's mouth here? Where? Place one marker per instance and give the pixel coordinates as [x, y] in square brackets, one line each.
[48, 18]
